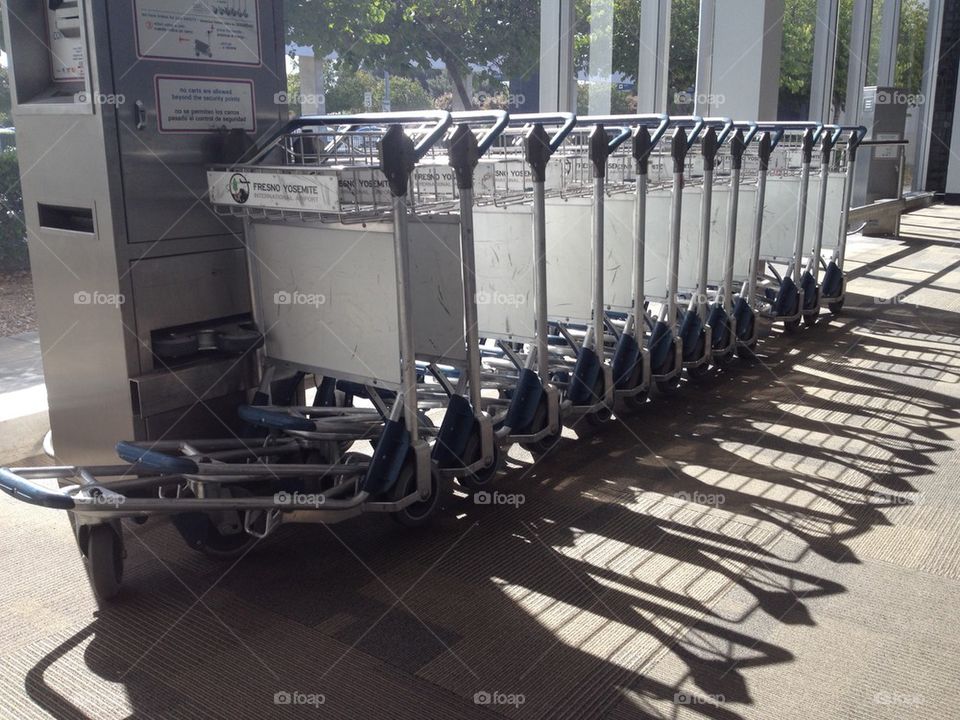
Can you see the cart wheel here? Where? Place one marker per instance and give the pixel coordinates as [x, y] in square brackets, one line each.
[421, 512]
[747, 353]
[104, 558]
[202, 534]
[669, 386]
[702, 371]
[540, 419]
[603, 414]
[635, 402]
[239, 340]
[173, 346]
[835, 307]
[482, 478]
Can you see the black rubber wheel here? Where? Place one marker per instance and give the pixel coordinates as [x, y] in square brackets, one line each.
[634, 402]
[239, 341]
[173, 347]
[540, 419]
[216, 544]
[700, 372]
[225, 547]
[104, 558]
[668, 386]
[747, 353]
[421, 512]
[484, 477]
[791, 326]
[603, 414]
[835, 307]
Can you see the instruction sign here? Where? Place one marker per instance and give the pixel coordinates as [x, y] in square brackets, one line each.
[204, 104]
[67, 59]
[286, 191]
[220, 31]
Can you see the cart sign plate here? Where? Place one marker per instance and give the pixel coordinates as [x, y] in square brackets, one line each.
[280, 191]
[204, 105]
[216, 31]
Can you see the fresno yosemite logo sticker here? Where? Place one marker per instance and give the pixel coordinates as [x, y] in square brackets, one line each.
[239, 188]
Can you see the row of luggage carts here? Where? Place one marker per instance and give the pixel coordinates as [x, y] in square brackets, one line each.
[431, 289]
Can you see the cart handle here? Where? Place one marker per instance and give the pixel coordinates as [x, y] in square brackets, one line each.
[440, 118]
[28, 491]
[633, 122]
[566, 120]
[695, 122]
[857, 133]
[724, 124]
[779, 127]
[751, 127]
[499, 119]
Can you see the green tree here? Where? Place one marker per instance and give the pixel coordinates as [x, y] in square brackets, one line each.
[405, 37]
[13, 240]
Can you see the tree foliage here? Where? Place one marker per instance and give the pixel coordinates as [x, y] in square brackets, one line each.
[13, 235]
[407, 37]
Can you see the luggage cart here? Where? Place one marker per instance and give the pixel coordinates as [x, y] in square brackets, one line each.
[831, 291]
[727, 315]
[511, 256]
[625, 232]
[664, 345]
[463, 445]
[695, 329]
[784, 243]
[222, 493]
[576, 271]
[683, 339]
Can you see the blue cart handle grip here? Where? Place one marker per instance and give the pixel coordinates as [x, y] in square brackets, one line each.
[155, 460]
[28, 491]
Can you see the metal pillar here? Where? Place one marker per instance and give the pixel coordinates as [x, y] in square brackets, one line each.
[654, 60]
[857, 65]
[889, 32]
[931, 62]
[558, 83]
[738, 78]
[824, 60]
